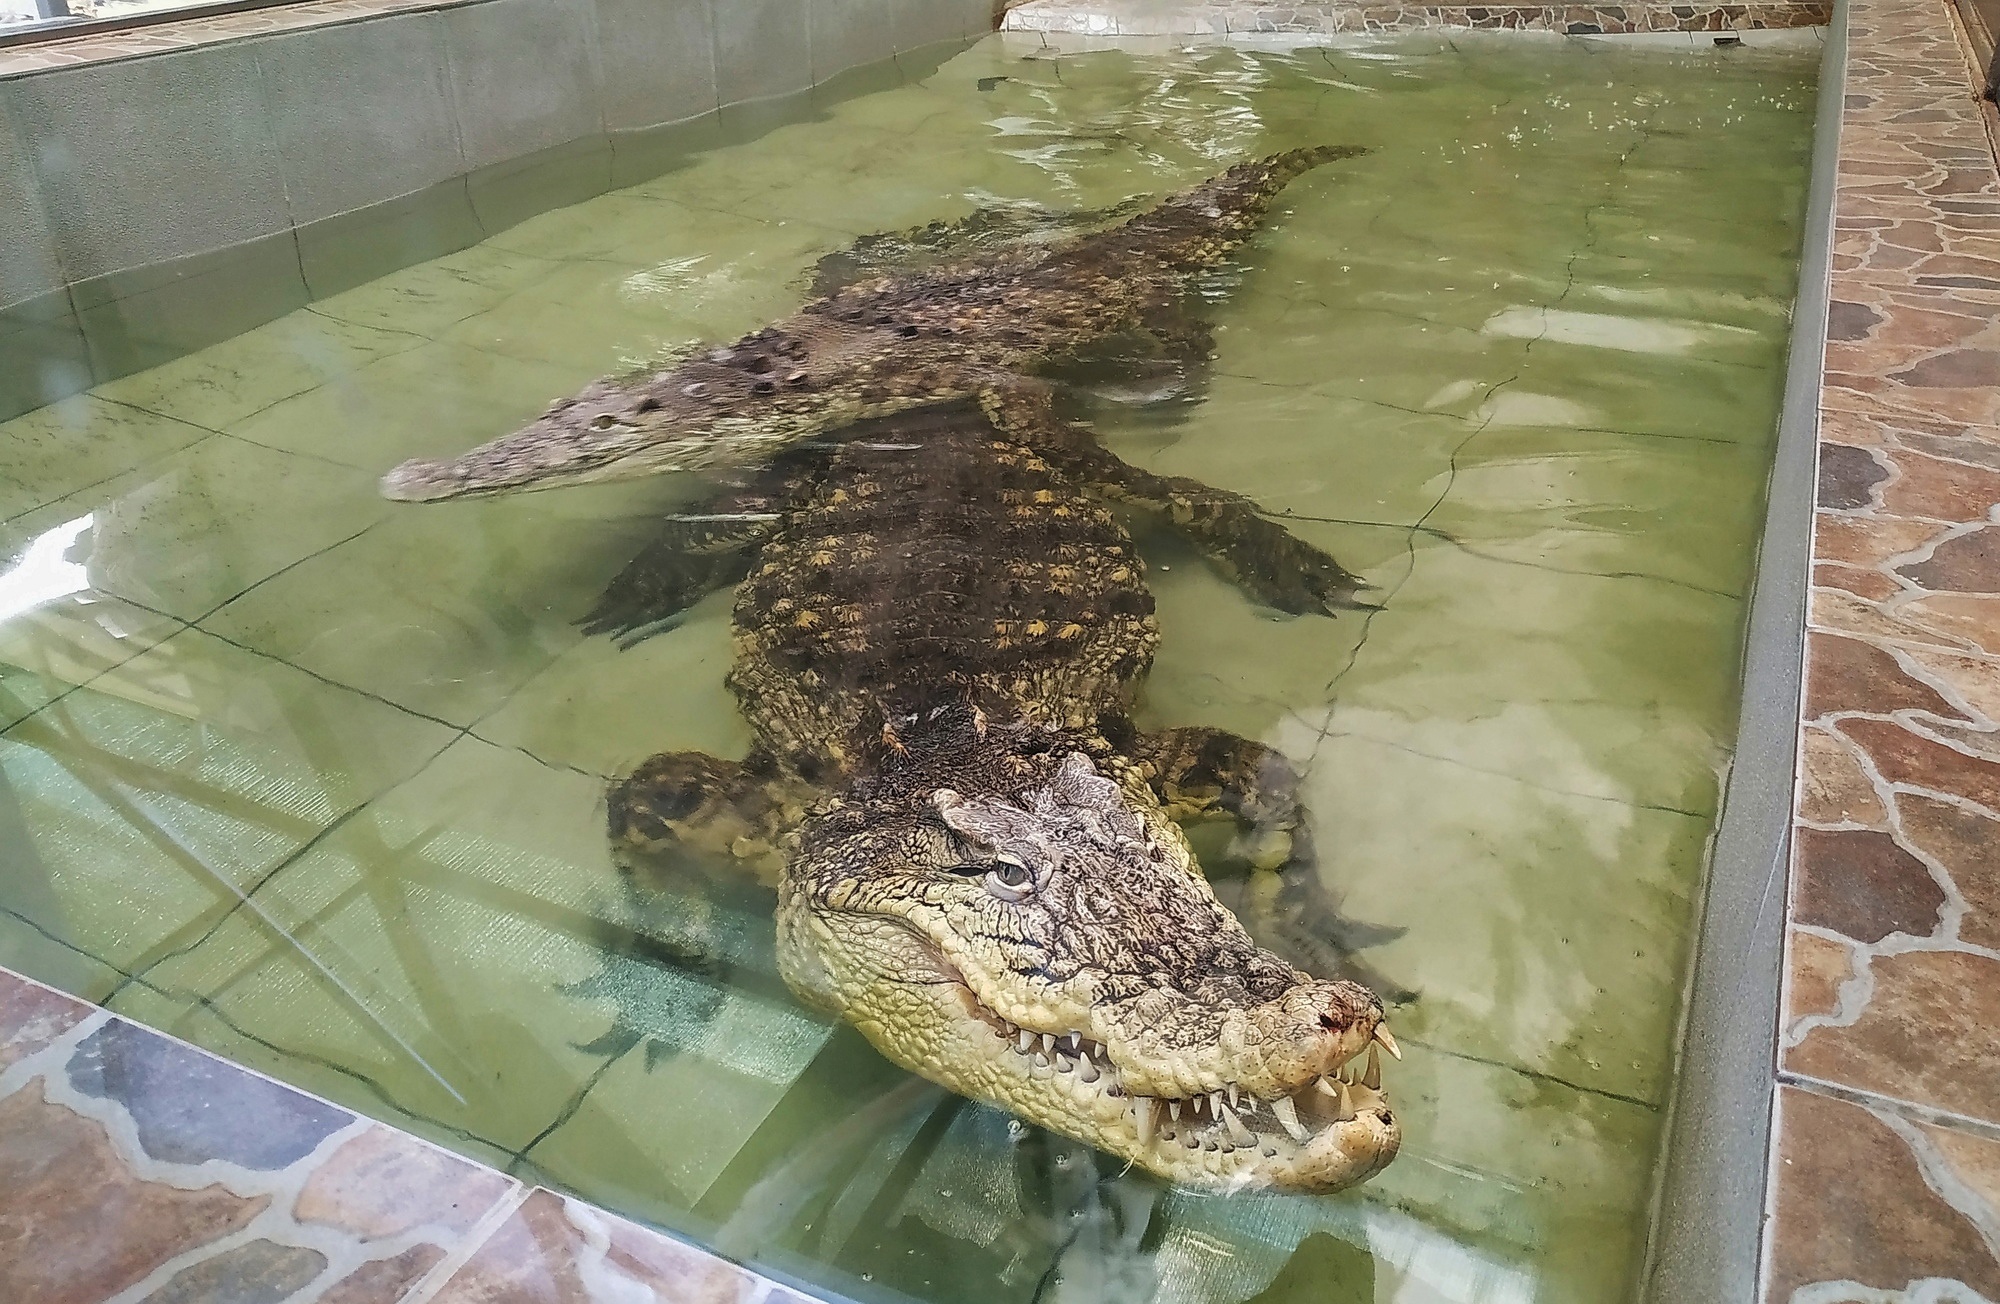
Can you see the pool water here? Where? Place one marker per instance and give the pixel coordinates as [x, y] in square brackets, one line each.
[317, 780]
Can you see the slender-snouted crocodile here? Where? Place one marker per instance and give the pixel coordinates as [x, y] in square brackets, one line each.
[977, 327]
[940, 629]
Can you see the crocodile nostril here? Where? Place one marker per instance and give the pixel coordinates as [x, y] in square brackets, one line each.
[764, 387]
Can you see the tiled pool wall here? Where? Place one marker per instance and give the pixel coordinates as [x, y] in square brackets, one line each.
[167, 188]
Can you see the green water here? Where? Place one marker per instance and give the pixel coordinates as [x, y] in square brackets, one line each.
[1520, 367]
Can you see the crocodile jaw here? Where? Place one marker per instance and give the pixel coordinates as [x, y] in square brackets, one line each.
[912, 1008]
[1115, 1001]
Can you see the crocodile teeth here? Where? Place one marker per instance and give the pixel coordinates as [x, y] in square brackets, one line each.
[1142, 1118]
[1238, 1133]
[1288, 1118]
[1326, 1088]
[1215, 1103]
[1048, 1044]
[1372, 1079]
[1232, 1095]
[1388, 1042]
[1025, 1040]
[1346, 1104]
[1174, 1110]
[1075, 1043]
[1087, 1069]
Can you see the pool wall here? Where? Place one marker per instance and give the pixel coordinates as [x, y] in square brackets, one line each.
[1708, 1215]
[164, 189]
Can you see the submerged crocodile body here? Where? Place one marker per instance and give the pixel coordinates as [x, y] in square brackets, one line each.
[980, 326]
[979, 861]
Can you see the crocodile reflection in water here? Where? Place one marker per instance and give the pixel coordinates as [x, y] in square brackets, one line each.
[940, 628]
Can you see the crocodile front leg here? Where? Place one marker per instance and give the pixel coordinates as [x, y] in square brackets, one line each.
[1260, 555]
[694, 554]
[1201, 774]
[684, 810]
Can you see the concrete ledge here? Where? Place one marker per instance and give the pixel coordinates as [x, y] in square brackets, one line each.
[256, 162]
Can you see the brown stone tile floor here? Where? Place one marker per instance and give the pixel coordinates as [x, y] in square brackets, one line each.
[135, 1166]
[1886, 1162]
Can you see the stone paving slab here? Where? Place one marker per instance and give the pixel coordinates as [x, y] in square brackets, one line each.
[1886, 1164]
[136, 1167]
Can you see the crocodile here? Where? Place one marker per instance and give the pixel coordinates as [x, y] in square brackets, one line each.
[986, 325]
[940, 629]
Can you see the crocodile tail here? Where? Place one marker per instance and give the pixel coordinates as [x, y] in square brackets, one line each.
[1199, 227]
[1281, 169]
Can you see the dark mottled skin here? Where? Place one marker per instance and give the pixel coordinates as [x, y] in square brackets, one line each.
[940, 630]
[979, 327]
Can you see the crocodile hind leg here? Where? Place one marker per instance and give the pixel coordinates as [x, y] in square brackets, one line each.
[1201, 774]
[692, 810]
[1260, 555]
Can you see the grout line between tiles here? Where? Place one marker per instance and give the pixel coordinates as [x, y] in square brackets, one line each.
[473, 1241]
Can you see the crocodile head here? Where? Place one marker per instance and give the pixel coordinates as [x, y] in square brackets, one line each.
[1050, 946]
[733, 406]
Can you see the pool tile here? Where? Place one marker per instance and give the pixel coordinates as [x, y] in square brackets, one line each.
[187, 532]
[558, 1251]
[421, 956]
[433, 400]
[604, 709]
[427, 298]
[54, 451]
[151, 797]
[1856, 1199]
[227, 382]
[447, 608]
[52, 646]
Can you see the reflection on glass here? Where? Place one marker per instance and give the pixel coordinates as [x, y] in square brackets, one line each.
[333, 798]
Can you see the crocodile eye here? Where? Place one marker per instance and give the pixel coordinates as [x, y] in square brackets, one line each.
[1009, 881]
[604, 422]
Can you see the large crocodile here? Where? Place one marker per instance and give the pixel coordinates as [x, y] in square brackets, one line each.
[980, 325]
[940, 629]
